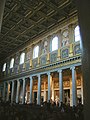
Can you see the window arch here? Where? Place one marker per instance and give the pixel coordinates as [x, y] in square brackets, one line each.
[77, 34]
[35, 51]
[4, 67]
[12, 63]
[55, 43]
[22, 57]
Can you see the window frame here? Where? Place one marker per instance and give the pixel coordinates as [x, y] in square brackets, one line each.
[36, 51]
[77, 36]
[53, 43]
[4, 67]
[12, 63]
[22, 56]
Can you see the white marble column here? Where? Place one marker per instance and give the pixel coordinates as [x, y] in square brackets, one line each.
[23, 94]
[44, 91]
[7, 91]
[74, 87]
[39, 90]
[12, 94]
[49, 93]
[31, 86]
[60, 87]
[17, 95]
[4, 90]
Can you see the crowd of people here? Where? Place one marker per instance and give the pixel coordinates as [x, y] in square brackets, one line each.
[46, 111]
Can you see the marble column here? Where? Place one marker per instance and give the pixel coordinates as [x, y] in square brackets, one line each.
[24, 88]
[49, 89]
[12, 94]
[39, 91]
[7, 99]
[74, 87]
[17, 95]
[60, 87]
[4, 91]
[31, 86]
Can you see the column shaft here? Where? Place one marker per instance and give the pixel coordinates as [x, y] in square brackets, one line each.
[12, 94]
[7, 91]
[23, 96]
[31, 85]
[74, 88]
[18, 86]
[60, 87]
[39, 91]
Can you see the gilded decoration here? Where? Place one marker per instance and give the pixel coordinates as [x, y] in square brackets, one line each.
[78, 82]
[42, 87]
[65, 38]
[46, 86]
[56, 84]
[66, 83]
[35, 87]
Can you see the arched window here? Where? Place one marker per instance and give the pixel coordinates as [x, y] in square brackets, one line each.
[22, 57]
[4, 67]
[12, 63]
[35, 51]
[77, 34]
[54, 43]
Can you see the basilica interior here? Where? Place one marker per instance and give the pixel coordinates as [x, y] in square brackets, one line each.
[41, 53]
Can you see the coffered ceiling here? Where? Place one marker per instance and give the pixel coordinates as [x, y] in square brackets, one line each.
[24, 20]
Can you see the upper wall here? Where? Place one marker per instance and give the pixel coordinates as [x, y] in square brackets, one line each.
[67, 47]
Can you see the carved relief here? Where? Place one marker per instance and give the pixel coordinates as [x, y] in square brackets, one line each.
[65, 38]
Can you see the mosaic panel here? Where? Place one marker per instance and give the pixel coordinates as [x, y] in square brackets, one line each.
[27, 65]
[16, 69]
[53, 57]
[35, 62]
[65, 53]
[77, 49]
[43, 60]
